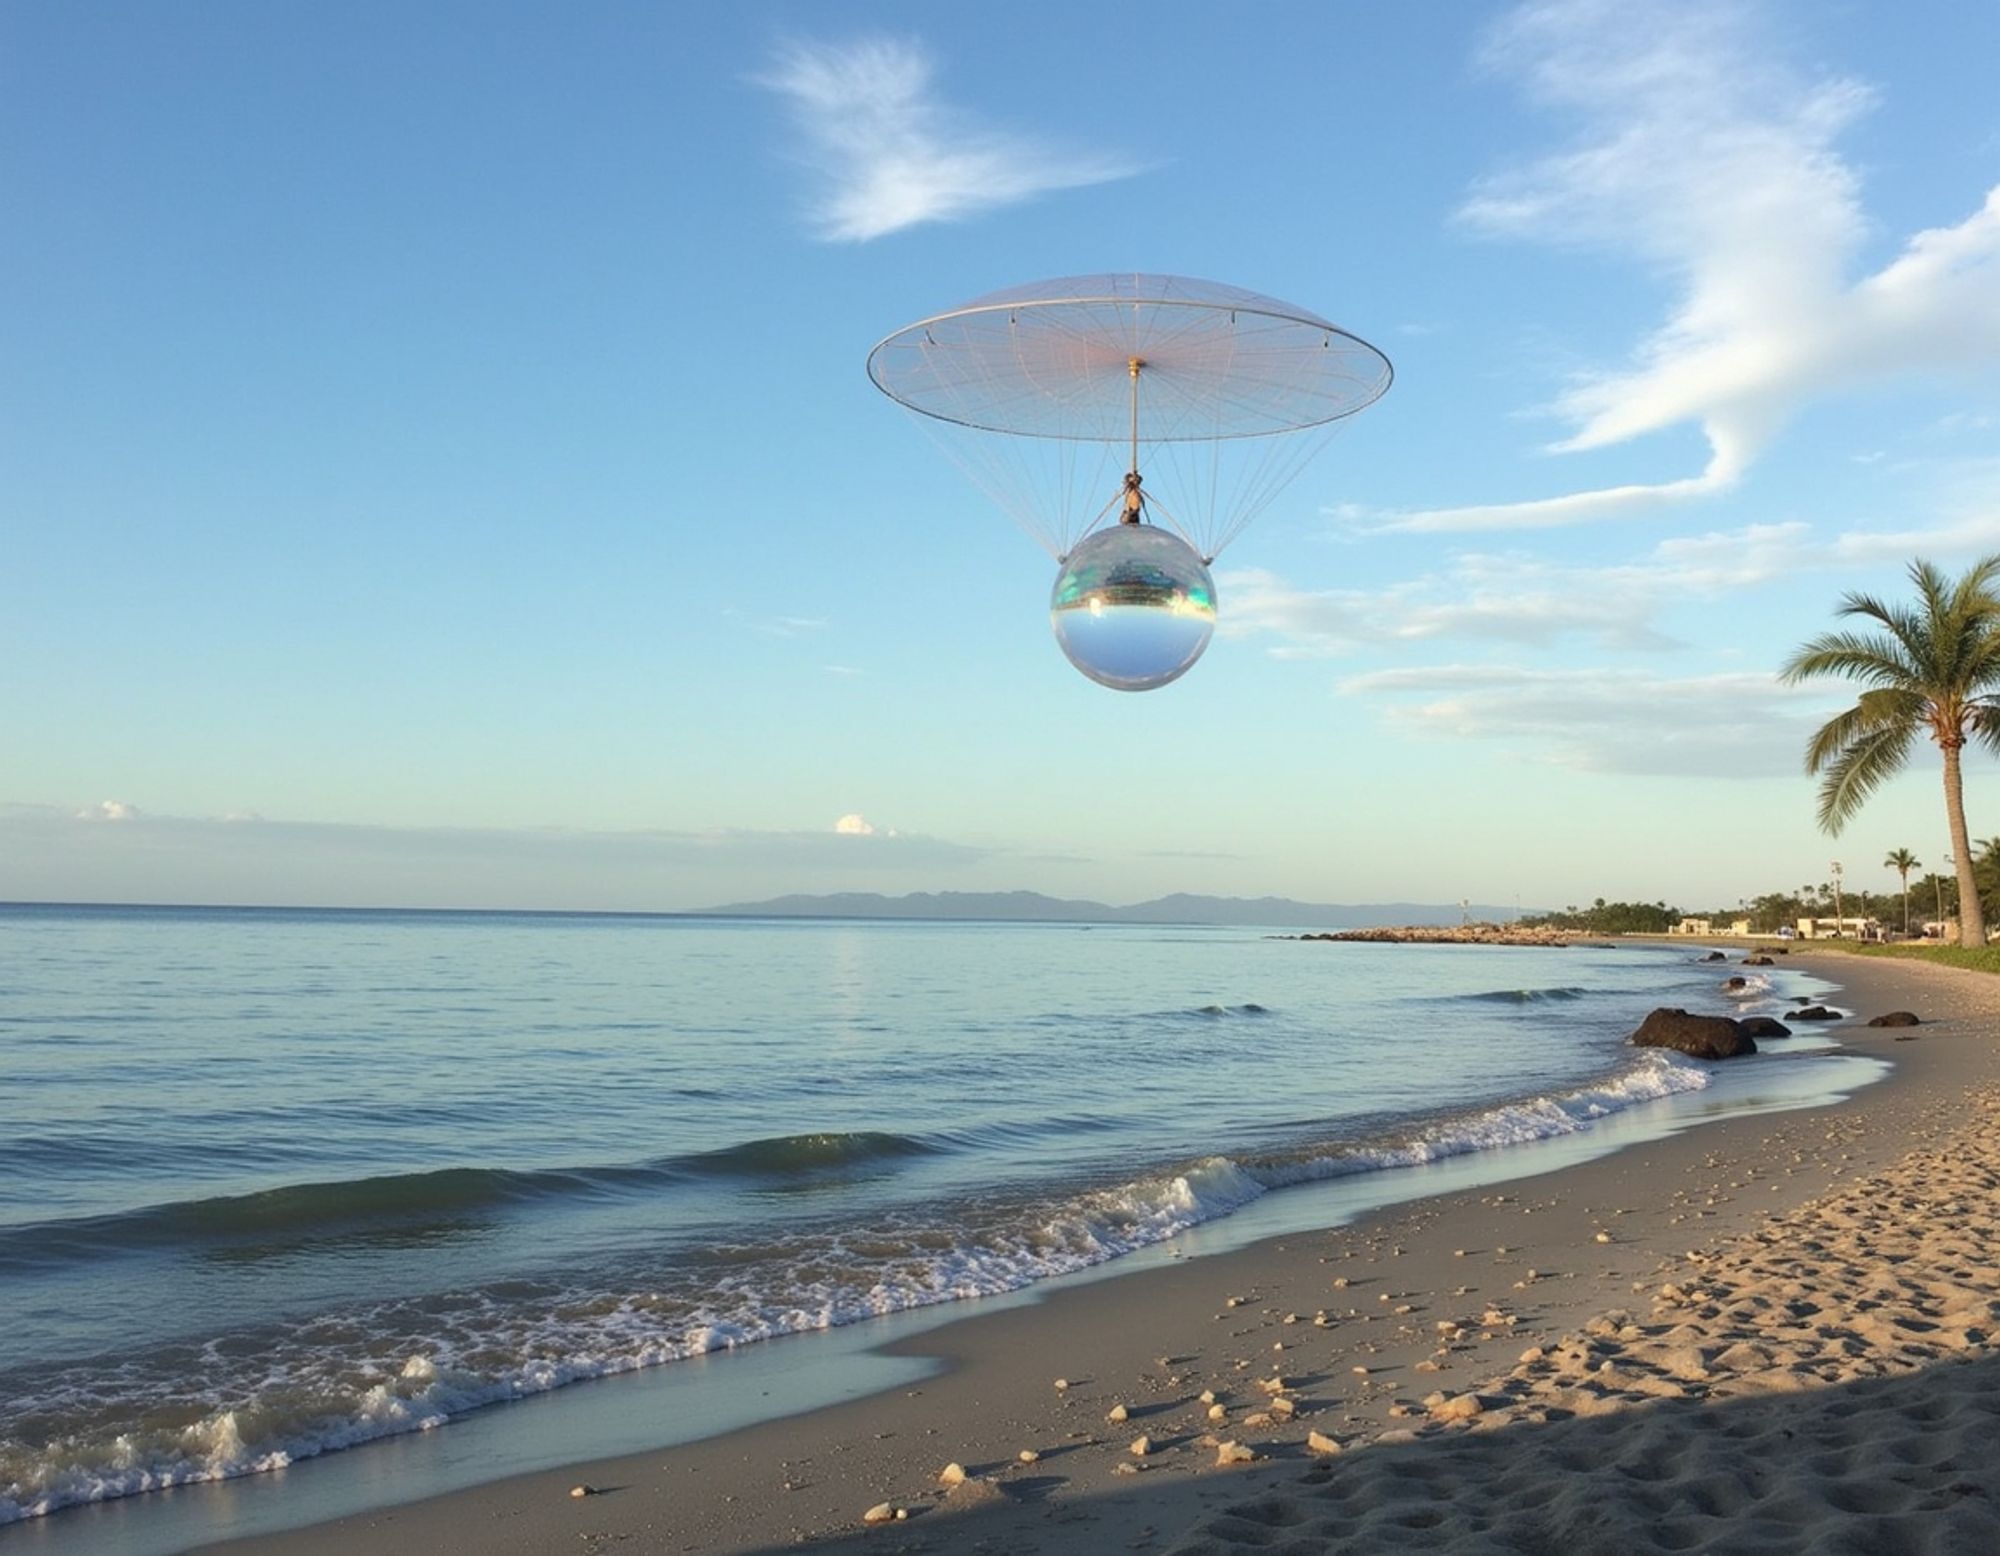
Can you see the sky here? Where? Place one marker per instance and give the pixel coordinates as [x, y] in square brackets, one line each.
[437, 466]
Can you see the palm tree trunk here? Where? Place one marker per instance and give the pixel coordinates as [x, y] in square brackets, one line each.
[1971, 918]
[1906, 904]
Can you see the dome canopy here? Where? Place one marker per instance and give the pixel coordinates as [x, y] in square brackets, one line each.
[1151, 358]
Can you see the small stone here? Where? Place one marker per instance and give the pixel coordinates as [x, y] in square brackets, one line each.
[1233, 1453]
[1283, 1408]
[1604, 1237]
[1126, 1467]
[1321, 1444]
[583, 1491]
[952, 1474]
[1061, 1384]
[1208, 1396]
[1463, 1408]
[880, 1513]
[1141, 1446]
[1028, 1456]
[1218, 1412]
[1116, 1413]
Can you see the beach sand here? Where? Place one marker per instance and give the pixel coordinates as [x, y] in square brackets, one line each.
[1769, 1333]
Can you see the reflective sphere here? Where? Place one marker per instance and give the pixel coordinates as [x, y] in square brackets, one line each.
[1133, 607]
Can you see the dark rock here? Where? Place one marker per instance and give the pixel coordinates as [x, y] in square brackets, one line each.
[1897, 1018]
[1704, 1037]
[1738, 982]
[1715, 956]
[1816, 1013]
[1758, 961]
[1763, 1026]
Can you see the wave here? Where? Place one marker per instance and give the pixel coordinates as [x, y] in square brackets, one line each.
[1213, 1011]
[1527, 996]
[789, 1155]
[1747, 986]
[310, 1209]
[334, 1399]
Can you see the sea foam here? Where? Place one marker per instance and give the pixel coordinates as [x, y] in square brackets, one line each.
[320, 1403]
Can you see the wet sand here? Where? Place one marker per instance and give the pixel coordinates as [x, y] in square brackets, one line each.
[1765, 1333]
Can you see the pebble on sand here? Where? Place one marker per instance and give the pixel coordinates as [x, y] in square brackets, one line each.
[1141, 1446]
[1028, 1456]
[953, 1474]
[1116, 1413]
[1320, 1443]
[884, 1513]
[1218, 1412]
[1233, 1453]
[583, 1491]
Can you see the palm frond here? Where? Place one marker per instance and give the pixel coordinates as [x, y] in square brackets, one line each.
[1873, 712]
[1856, 656]
[1859, 770]
[1983, 722]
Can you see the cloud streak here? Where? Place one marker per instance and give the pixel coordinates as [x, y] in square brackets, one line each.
[893, 155]
[1635, 722]
[1709, 159]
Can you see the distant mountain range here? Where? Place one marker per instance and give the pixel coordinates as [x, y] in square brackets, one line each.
[1180, 908]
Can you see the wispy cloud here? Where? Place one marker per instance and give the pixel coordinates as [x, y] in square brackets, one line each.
[1526, 600]
[1739, 725]
[1512, 597]
[1708, 157]
[893, 154]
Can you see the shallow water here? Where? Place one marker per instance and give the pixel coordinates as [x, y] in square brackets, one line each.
[273, 1183]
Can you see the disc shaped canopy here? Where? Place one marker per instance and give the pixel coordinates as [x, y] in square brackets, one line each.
[1147, 358]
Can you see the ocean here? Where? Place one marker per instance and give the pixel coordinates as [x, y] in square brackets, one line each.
[275, 1183]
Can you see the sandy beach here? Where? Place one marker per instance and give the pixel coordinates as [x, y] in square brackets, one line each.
[1769, 1333]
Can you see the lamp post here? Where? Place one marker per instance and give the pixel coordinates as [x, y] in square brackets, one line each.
[1839, 928]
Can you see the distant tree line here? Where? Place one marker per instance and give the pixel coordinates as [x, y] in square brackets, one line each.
[1932, 896]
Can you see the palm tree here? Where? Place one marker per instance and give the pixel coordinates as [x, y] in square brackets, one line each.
[1932, 669]
[1903, 862]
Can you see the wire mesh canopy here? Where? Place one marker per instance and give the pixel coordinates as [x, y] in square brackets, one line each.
[1049, 393]
[1055, 360]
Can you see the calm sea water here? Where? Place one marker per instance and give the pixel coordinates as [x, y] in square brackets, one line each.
[274, 1183]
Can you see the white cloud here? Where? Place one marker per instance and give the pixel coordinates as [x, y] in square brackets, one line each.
[1734, 725]
[1517, 599]
[108, 810]
[854, 824]
[1710, 159]
[893, 155]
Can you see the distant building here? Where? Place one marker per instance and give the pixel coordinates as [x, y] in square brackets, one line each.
[1703, 926]
[1849, 928]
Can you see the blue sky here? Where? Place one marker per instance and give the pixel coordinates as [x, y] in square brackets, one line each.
[436, 465]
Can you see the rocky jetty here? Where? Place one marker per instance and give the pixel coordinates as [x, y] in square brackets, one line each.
[1446, 934]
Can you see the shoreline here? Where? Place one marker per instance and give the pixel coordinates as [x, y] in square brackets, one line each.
[812, 1474]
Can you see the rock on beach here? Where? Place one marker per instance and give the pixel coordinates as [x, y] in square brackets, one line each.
[1702, 1037]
